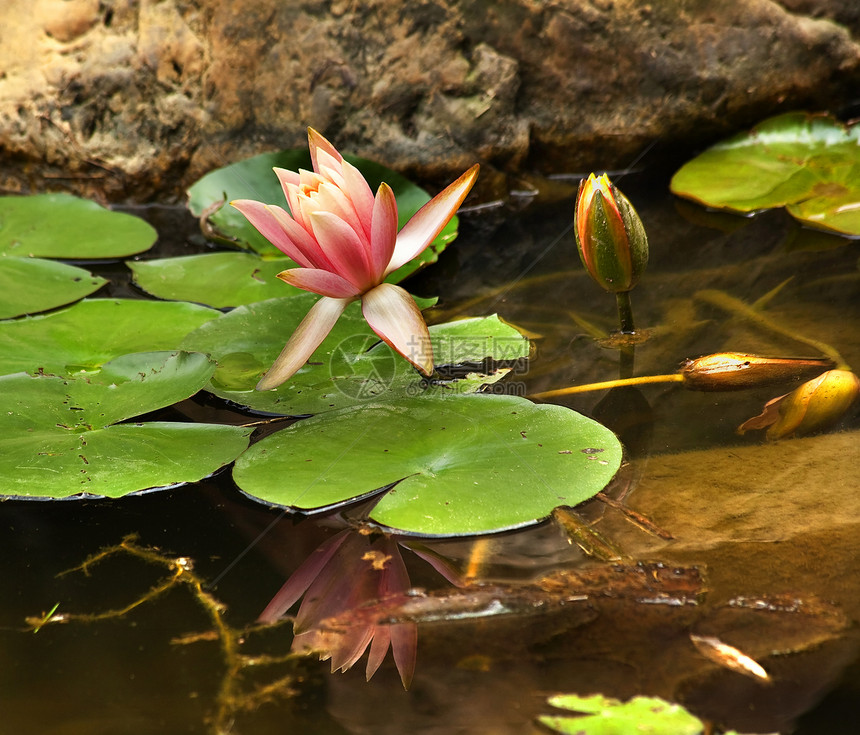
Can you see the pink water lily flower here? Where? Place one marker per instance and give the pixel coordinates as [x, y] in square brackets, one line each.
[347, 572]
[346, 242]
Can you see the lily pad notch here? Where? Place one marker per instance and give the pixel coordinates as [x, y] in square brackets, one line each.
[459, 465]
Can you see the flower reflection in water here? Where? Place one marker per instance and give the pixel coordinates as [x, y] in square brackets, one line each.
[349, 570]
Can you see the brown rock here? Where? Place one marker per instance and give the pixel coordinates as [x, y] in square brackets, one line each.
[133, 99]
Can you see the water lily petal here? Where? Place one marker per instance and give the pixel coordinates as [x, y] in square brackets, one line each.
[316, 142]
[333, 199]
[343, 248]
[342, 585]
[393, 315]
[312, 254]
[285, 176]
[359, 193]
[378, 649]
[403, 636]
[309, 180]
[428, 221]
[331, 173]
[263, 218]
[404, 647]
[352, 643]
[319, 281]
[300, 204]
[383, 235]
[302, 578]
[308, 336]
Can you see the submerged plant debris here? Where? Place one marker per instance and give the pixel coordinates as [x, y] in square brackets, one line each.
[238, 692]
[646, 584]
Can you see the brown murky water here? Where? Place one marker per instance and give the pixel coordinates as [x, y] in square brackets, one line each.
[758, 542]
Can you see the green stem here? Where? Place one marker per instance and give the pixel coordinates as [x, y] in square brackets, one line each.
[625, 312]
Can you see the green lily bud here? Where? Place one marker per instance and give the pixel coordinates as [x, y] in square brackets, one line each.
[610, 236]
[814, 405]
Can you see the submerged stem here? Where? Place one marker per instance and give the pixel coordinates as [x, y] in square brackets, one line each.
[729, 303]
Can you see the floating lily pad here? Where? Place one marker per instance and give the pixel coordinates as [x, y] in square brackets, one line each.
[808, 163]
[351, 366]
[466, 464]
[59, 437]
[600, 715]
[92, 332]
[253, 178]
[215, 279]
[31, 285]
[63, 226]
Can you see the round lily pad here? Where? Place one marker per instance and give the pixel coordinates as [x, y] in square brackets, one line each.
[808, 163]
[64, 226]
[459, 465]
[215, 279]
[253, 178]
[92, 332]
[600, 715]
[59, 437]
[31, 285]
[351, 367]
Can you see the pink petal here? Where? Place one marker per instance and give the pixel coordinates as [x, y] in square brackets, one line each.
[393, 315]
[308, 336]
[383, 234]
[285, 176]
[312, 253]
[359, 193]
[343, 248]
[352, 644]
[267, 224]
[404, 646]
[342, 585]
[404, 636]
[378, 649]
[309, 180]
[428, 221]
[441, 564]
[318, 142]
[319, 281]
[302, 578]
[330, 169]
[295, 201]
[331, 198]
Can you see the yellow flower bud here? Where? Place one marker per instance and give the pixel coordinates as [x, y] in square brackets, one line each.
[815, 405]
[737, 370]
[610, 236]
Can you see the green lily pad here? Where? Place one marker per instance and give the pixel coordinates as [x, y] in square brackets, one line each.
[92, 332]
[253, 178]
[466, 464]
[602, 715]
[31, 285]
[215, 279]
[63, 226]
[808, 163]
[59, 437]
[350, 367]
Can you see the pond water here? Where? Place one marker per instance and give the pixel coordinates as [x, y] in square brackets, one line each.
[758, 541]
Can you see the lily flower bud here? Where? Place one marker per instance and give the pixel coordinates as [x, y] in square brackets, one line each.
[814, 405]
[610, 236]
[738, 370]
